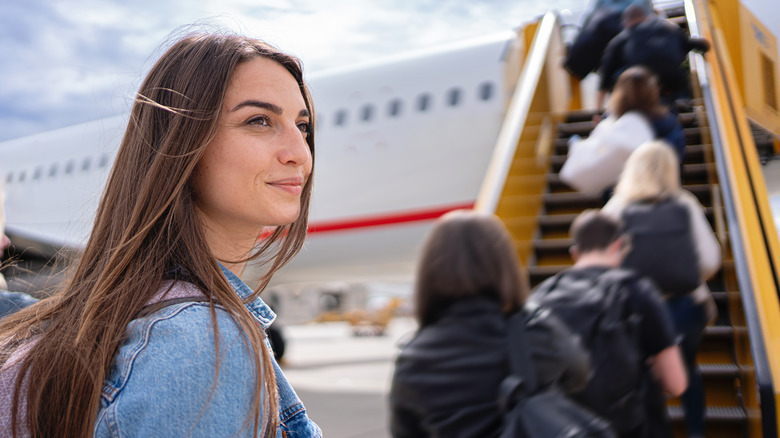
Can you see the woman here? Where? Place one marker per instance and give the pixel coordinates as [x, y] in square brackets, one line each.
[637, 90]
[218, 150]
[447, 377]
[651, 175]
[635, 116]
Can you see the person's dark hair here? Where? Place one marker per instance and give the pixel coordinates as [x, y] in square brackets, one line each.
[634, 12]
[468, 254]
[146, 226]
[636, 89]
[593, 230]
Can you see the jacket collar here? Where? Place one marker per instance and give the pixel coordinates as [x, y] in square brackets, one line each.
[259, 310]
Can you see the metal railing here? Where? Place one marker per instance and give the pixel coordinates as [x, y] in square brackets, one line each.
[752, 234]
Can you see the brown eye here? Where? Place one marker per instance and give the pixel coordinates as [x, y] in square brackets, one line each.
[260, 120]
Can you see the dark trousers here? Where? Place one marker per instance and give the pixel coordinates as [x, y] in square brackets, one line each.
[689, 321]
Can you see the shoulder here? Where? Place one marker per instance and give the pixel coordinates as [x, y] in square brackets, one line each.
[688, 199]
[614, 207]
[642, 295]
[636, 124]
[10, 302]
[619, 39]
[191, 374]
[176, 337]
[691, 204]
[544, 329]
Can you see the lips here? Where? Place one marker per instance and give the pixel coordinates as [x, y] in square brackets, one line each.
[293, 186]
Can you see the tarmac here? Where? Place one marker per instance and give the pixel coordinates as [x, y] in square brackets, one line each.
[342, 379]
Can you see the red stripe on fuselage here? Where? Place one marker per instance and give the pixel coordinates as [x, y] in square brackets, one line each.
[385, 219]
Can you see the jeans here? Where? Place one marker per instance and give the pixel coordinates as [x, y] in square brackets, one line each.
[689, 321]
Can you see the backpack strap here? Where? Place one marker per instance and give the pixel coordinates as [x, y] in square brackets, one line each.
[543, 289]
[610, 283]
[519, 350]
[521, 379]
[151, 308]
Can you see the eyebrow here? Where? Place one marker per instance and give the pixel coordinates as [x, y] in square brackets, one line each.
[276, 109]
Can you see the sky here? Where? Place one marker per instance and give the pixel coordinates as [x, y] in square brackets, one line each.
[71, 61]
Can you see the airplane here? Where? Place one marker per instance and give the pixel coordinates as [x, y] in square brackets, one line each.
[400, 142]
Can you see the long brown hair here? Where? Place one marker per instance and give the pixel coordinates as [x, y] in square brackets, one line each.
[468, 254]
[146, 225]
[636, 89]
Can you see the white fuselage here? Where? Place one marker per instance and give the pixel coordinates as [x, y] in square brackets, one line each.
[398, 143]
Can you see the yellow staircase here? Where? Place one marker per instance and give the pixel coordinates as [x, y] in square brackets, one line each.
[726, 414]
[739, 356]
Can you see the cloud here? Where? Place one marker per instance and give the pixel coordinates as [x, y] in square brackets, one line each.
[70, 61]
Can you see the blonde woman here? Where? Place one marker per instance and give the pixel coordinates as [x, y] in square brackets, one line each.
[651, 176]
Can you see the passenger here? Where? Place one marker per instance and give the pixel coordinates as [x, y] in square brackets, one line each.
[650, 177]
[155, 334]
[593, 165]
[634, 117]
[637, 90]
[9, 301]
[654, 43]
[603, 21]
[447, 377]
[623, 387]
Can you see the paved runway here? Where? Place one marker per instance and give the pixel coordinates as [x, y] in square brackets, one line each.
[343, 380]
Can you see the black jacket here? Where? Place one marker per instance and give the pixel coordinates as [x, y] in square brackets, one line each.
[447, 377]
[656, 44]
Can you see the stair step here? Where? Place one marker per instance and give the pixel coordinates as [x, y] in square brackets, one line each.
[691, 174]
[588, 200]
[693, 154]
[586, 126]
[719, 413]
[562, 222]
[719, 369]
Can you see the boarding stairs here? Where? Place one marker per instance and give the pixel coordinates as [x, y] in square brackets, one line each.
[726, 415]
[721, 168]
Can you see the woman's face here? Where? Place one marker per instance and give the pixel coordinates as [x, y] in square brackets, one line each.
[253, 172]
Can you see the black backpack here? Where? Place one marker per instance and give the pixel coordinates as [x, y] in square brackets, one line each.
[595, 309]
[533, 411]
[656, 45]
[662, 245]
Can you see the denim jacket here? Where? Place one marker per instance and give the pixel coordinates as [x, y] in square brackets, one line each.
[162, 380]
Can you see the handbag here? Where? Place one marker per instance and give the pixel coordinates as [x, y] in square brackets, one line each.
[533, 412]
[595, 163]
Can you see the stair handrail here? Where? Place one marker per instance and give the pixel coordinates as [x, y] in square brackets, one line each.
[517, 114]
[753, 237]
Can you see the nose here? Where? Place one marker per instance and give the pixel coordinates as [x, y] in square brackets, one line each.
[294, 149]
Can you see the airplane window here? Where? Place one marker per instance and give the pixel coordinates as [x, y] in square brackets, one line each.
[423, 102]
[69, 167]
[453, 96]
[394, 108]
[9, 179]
[53, 170]
[22, 176]
[86, 164]
[38, 173]
[341, 118]
[367, 112]
[486, 91]
[103, 161]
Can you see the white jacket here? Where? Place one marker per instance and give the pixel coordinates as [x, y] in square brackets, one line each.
[595, 163]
